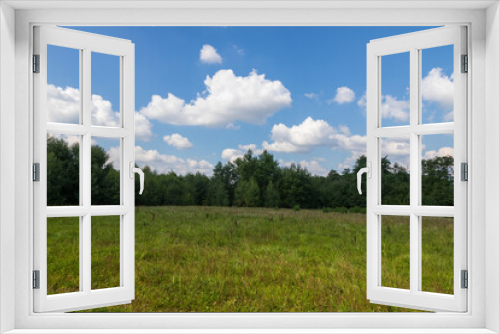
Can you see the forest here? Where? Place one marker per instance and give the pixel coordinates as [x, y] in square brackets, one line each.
[250, 181]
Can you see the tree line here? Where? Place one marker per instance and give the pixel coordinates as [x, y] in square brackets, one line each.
[249, 181]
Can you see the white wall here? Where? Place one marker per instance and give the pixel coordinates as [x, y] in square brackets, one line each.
[7, 160]
[492, 151]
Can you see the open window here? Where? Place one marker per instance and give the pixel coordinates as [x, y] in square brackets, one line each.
[76, 219]
[411, 288]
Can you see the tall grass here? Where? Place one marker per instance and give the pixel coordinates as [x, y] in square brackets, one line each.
[213, 259]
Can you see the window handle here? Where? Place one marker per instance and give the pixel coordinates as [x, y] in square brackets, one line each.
[139, 171]
[368, 172]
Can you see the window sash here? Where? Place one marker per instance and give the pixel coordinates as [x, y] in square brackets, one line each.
[413, 43]
[86, 298]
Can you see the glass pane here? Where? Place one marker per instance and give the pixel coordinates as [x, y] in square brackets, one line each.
[437, 170]
[63, 255]
[105, 178]
[395, 251]
[105, 90]
[437, 84]
[395, 89]
[395, 174]
[63, 85]
[437, 254]
[63, 170]
[105, 252]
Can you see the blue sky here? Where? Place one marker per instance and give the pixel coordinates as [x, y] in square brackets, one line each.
[297, 91]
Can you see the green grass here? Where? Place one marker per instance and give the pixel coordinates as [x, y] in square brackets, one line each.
[212, 259]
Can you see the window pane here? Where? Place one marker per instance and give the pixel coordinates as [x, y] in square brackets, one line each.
[395, 251]
[395, 174]
[105, 252]
[437, 170]
[63, 255]
[437, 85]
[63, 85]
[437, 254]
[105, 90]
[395, 82]
[105, 171]
[63, 170]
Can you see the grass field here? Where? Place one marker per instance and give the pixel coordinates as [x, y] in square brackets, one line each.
[213, 259]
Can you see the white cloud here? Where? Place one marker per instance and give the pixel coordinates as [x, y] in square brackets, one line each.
[397, 146]
[164, 163]
[102, 112]
[344, 95]
[231, 154]
[178, 141]
[442, 152]
[395, 109]
[448, 117]
[313, 166]
[438, 87]
[63, 105]
[209, 55]
[231, 126]
[312, 96]
[310, 134]
[142, 127]
[239, 50]
[227, 99]
[362, 101]
[70, 139]
[392, 108]
[348, 163]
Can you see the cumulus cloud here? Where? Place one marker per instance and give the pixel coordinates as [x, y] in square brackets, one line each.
[395, 147]
[442, 152]
[209, 55]
[102, 113]
[70, 139]
[395, 109]
[448, 117]
[438, 87]
[310, 134]
[313, 166]
[142, 127]
[344, 95]
[231, 154]
[239, 50]
[178, 141]
[63, 105]
[164, 163]
[227, 99]
[312, 96]
[231, 126]
[362, 101]
[392, 108]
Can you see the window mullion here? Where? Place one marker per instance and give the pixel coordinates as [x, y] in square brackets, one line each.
[85, 164]
[414, 174]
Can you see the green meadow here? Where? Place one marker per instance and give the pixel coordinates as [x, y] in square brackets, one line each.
[225, 259]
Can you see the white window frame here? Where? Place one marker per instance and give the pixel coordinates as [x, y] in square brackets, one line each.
[413, 44]
[483, 211]
[86, 44]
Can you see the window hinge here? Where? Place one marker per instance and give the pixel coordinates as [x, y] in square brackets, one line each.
[36, 172]
[464, 171]
[465, 279]
[465, 64]
[36, 279]
[36, 63]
